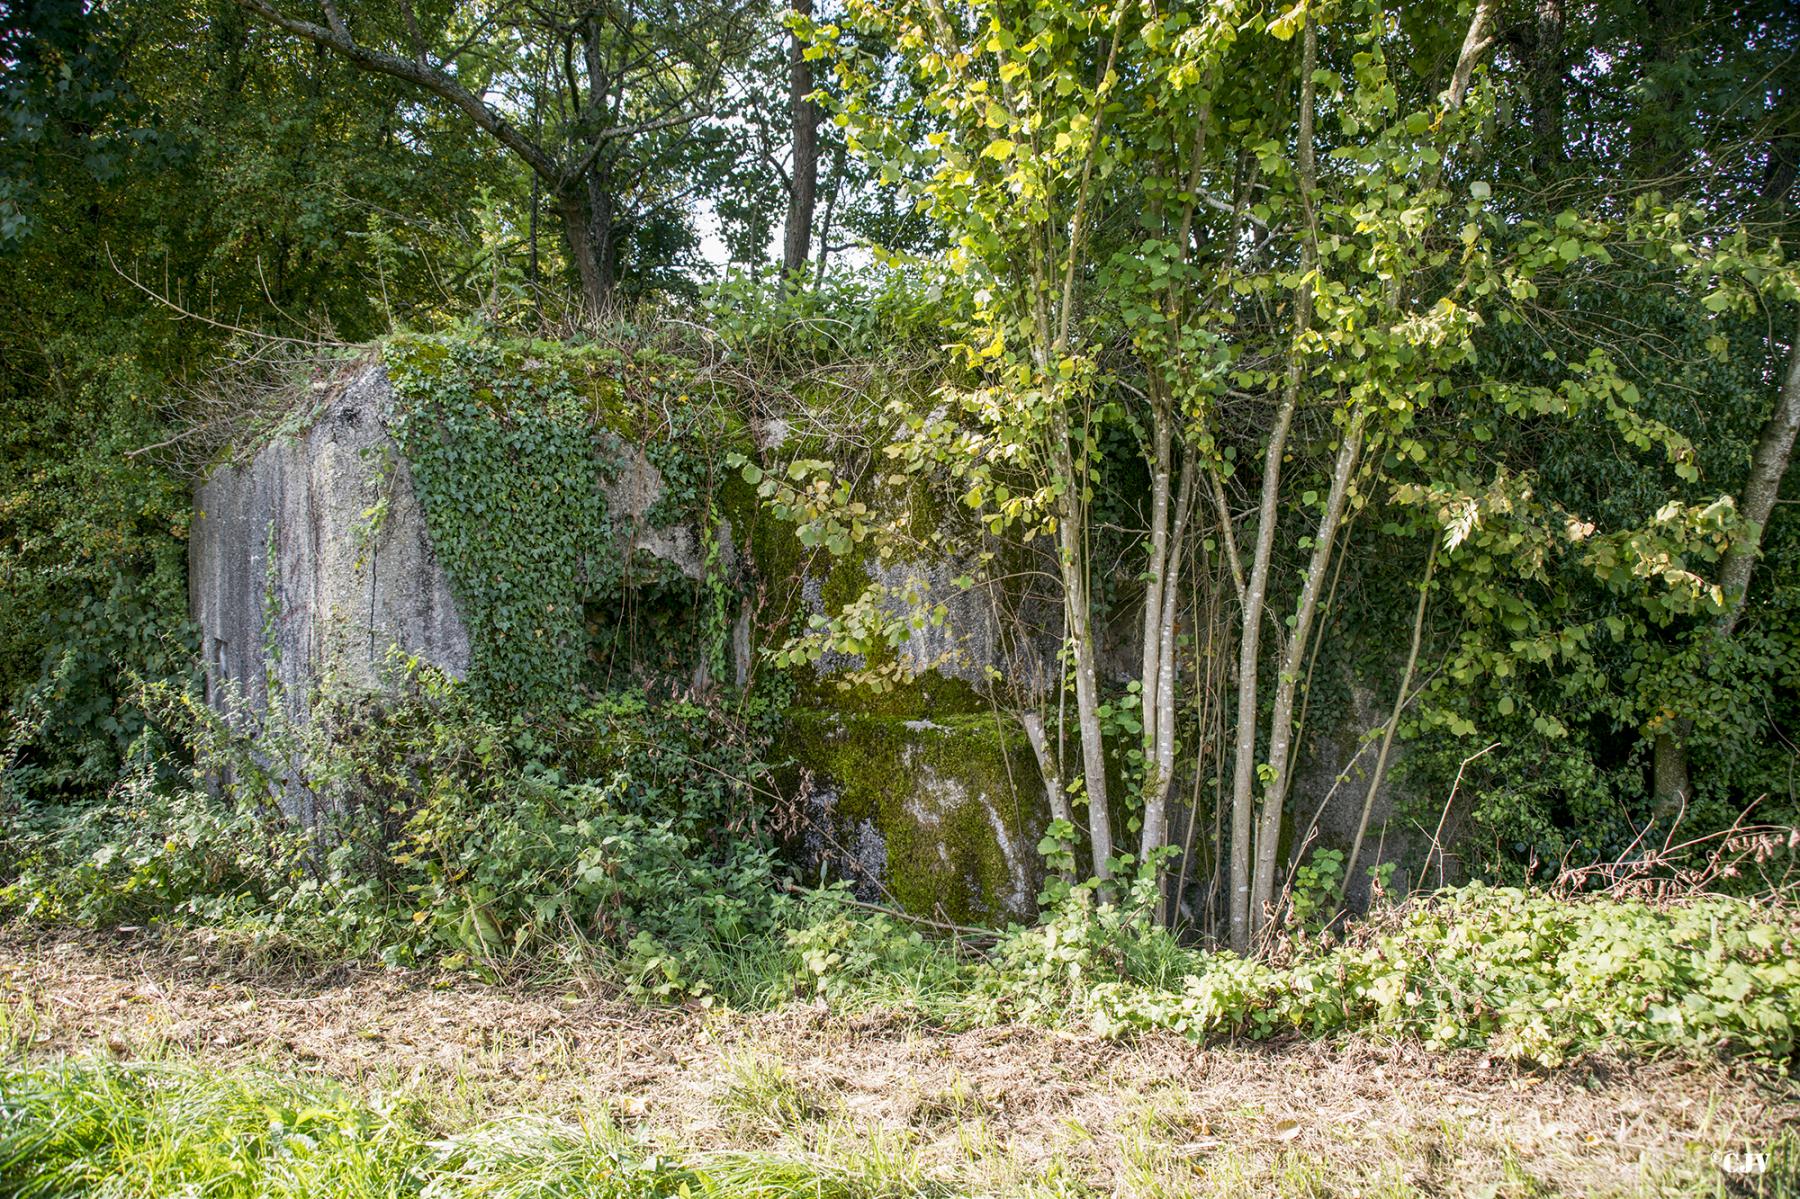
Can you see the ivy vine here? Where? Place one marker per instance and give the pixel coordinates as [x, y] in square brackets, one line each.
[511, 446]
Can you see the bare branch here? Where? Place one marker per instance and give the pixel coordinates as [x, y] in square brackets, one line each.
[618, 131]
[432, 79]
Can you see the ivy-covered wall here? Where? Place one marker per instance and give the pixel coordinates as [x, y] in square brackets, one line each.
[571, 496]
[578, 530]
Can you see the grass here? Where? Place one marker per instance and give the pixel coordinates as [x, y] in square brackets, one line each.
[100, 1130]
[162, 1065]
[540, 1159]
[762, 1096]
[111, 1130]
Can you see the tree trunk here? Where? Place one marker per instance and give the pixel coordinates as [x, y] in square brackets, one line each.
[1162, 588]
[805, 169]
[1774, 448]
[1387, 734]
[578, 231]
[1548, 90]
[831, 199]
[602, 207]
[1033, 724]
[1281, 720]
[1671, 787]
[1161, 479]
[1087, 688]
[1243, 776]
[1159, 680]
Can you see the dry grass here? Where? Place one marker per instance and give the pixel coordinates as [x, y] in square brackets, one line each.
[993, 1111]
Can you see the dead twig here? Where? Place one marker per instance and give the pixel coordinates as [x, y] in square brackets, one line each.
[1437, 838]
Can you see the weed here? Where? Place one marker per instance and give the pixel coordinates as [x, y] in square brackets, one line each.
[761, 1096]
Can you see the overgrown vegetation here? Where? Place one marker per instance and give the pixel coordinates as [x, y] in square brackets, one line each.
[465, 842]
[1317, 471]
[1145, 236]
[1209, 310]
[448, 835]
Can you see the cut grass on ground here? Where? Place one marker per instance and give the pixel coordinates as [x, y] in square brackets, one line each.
[140, 1065]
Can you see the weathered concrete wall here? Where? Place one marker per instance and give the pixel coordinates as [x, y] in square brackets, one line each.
[940, 818]
[316, 549]
[312, 558]
[632, 489]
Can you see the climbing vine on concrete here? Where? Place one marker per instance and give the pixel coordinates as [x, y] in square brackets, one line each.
[506, 454]
[512, 447]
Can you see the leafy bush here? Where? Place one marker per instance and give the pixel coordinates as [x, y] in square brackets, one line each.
[442, 832]
[1528, 974]
[145, 852]
[763, 317]
[95, 566]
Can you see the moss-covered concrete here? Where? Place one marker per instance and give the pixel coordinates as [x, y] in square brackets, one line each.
[939, 816]
[922, 783]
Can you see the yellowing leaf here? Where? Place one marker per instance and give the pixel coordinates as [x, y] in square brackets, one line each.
[1288, 23]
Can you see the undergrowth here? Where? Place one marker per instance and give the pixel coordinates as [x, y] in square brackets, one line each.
[627, 841]
[624, 834]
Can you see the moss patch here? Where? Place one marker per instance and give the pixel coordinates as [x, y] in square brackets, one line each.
[956, 802]
[930, 696]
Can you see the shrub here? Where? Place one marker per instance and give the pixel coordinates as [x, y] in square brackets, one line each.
[441, 832]
[1528, 974]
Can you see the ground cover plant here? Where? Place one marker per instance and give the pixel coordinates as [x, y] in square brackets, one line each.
[129, 1054]
[618, 842]
[1530, 977]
